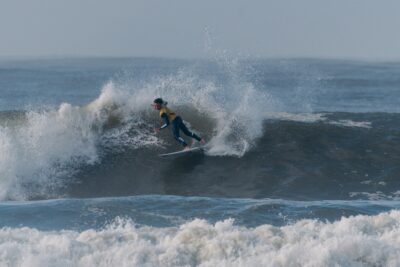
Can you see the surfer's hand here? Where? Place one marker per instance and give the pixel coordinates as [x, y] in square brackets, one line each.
[157, 130]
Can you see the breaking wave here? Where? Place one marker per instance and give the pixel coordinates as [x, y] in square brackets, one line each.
[108, 146]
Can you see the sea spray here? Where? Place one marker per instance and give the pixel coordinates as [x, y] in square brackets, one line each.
[39, 151]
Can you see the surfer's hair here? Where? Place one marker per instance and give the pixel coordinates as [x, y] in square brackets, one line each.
[159, 101]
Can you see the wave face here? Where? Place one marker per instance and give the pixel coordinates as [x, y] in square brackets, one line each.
[84, 152]
[295, 160]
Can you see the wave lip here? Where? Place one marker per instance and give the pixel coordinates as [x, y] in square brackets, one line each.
[353, 241]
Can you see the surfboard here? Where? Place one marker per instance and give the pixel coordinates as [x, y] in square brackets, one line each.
[181, 152]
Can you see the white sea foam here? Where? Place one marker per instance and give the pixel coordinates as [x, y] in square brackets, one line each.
[37, 151]
[378, 195]
[350, 123]
[315, 117]
[50, 145]
[353, 241]
[299, 117]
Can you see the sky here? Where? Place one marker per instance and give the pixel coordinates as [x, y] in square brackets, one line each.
[354, 29]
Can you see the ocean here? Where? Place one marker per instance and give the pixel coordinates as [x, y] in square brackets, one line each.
[301, 166]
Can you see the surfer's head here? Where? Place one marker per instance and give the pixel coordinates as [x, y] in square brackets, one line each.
[158, 103]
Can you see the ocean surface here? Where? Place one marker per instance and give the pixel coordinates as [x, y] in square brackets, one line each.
[302, 166]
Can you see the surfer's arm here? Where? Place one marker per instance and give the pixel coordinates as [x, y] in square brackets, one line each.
[164, 116]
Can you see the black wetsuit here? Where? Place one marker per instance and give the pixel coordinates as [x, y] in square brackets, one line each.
[176, 125]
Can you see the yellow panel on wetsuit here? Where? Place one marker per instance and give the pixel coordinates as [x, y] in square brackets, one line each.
[171, 115]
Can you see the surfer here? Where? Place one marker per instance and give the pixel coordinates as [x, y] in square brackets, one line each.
[176, 122]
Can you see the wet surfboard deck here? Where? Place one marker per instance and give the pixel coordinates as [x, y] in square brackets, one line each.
[182, 152]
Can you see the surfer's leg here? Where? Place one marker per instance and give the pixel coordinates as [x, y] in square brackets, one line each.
[186, 131]
[175, 132]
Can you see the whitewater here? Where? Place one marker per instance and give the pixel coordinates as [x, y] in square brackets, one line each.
[301, 169]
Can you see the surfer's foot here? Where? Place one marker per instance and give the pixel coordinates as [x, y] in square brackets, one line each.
[202, 141]
[186, 148]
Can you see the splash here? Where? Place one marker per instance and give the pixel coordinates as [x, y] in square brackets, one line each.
[44, 150]
[40, 150]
